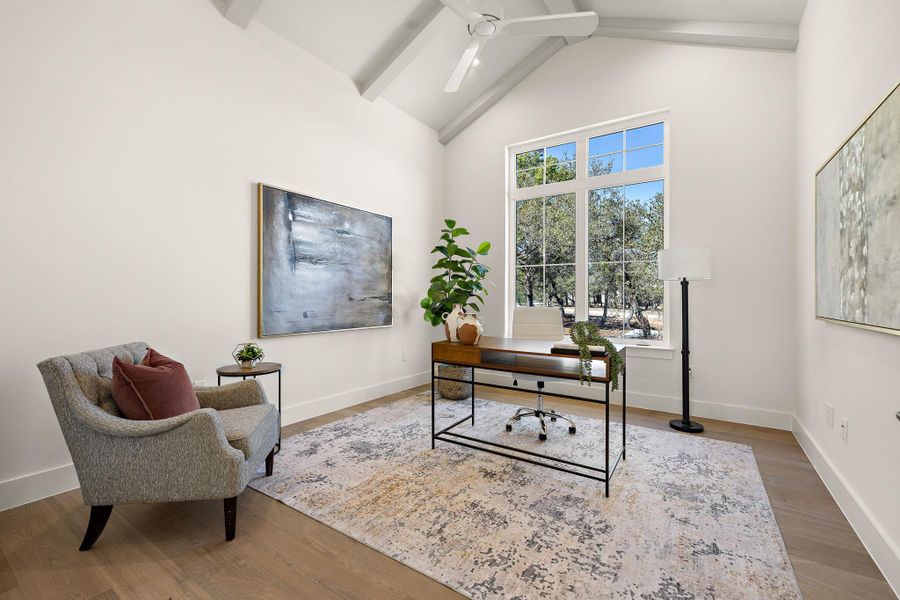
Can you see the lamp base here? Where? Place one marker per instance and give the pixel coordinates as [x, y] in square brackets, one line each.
[686, 426]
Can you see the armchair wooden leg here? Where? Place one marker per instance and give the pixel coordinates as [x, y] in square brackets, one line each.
[96, 523]
[230, 517]
[270, 462]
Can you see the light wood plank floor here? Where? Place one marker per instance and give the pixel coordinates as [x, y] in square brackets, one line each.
[178, 550]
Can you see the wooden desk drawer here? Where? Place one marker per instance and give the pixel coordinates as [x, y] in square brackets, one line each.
[456, 353]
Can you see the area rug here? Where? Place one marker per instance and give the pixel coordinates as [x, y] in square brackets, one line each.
[687, 518]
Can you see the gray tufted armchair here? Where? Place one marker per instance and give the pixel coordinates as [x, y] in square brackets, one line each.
[205, 454]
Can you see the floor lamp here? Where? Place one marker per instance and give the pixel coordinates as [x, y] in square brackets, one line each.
[683, 264]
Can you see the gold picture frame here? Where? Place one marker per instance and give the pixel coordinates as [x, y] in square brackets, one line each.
[817, 217]
[376, 273]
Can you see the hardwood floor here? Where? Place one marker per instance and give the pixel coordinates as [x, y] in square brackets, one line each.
[178, 550]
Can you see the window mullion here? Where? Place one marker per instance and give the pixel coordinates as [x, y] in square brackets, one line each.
[544, 249]
[581, 254]
[624, 307]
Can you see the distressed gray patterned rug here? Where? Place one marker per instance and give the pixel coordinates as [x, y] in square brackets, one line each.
[687, 518]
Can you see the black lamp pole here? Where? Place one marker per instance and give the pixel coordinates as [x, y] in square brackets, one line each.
[685, 423]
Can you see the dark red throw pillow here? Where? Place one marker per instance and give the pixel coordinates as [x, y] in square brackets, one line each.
[158, 388]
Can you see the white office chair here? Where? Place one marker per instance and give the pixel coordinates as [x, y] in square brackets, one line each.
[537, 323]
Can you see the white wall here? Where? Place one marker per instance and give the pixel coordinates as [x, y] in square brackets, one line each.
[847, 61]
[730, 189]
[133, 134]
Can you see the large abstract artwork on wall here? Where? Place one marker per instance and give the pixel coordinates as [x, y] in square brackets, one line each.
[858, 225]
[322, 266]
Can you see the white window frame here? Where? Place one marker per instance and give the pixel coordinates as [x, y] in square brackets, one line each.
[581, 186]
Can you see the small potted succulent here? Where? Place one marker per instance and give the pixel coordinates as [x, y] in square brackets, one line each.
[248, 355]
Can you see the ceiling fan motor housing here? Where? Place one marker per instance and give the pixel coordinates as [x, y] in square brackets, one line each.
[485, 28]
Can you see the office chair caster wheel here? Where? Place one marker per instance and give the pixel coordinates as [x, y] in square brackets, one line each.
[571, 430]
[508, 427]
[542, 437]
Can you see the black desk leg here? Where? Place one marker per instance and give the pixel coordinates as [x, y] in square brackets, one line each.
[432, 405]
[278, 446]
[472, 389]
[623, 414]
[606, 441]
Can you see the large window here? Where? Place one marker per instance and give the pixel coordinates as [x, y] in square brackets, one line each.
[587, 218]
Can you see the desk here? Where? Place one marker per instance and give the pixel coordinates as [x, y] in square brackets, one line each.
[531, 357]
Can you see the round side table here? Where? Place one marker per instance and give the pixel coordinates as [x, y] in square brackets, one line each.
[263, 368]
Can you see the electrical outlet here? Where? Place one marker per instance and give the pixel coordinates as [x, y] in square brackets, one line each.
[829, 415]
[404, 355]
[844, 427]
[199, 383]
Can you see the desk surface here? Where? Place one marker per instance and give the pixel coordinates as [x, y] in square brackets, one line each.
[533, 357]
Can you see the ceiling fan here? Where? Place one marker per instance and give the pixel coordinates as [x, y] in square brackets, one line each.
[483, 27]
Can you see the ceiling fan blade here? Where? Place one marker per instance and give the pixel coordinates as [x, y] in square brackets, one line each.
[570, 24]
[462, 67]
[464, 10]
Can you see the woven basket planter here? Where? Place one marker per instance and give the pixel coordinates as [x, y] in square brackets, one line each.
[450, 389]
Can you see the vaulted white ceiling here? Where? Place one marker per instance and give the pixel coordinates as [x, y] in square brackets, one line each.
[404, 50]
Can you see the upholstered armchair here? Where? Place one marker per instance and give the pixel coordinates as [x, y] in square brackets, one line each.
[209, 453]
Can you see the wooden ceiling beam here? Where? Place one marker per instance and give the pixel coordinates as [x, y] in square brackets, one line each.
[402, 55]
[240, 12]
[741, 35]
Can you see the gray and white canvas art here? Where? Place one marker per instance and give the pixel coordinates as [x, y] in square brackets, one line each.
[323, 266]
[858, 225]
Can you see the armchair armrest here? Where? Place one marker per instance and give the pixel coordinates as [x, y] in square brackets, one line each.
[233, 395]
[106, 424]
[187, 457]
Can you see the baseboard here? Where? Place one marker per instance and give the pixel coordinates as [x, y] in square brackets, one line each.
[873, 536]
[700, 408]
[35, 486]
[326, 404]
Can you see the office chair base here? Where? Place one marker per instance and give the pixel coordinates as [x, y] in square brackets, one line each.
[541, 416]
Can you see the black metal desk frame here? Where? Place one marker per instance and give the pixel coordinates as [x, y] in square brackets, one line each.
[603, 474]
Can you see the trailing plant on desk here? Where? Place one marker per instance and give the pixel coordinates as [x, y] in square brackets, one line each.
[585, 334]
[461, 276]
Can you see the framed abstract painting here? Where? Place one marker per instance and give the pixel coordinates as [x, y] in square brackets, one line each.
[858, 225]
[322, 266]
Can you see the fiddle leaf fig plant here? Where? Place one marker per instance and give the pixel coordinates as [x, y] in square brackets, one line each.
[461, 276]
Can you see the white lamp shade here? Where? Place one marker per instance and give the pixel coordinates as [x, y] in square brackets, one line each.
[684, 263]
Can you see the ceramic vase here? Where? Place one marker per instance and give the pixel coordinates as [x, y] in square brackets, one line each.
[451, 322]
[469, 329]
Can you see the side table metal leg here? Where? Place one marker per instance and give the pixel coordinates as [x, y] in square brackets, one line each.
[219, 379]
[278, 446]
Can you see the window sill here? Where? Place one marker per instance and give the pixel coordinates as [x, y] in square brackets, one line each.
[648, 351]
